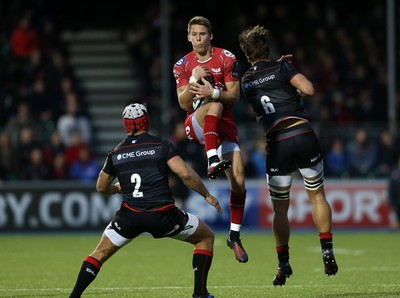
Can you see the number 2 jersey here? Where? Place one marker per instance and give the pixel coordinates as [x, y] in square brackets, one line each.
[140, 163]
[266, 86]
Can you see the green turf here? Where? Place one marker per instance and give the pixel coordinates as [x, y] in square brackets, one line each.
[46, 266]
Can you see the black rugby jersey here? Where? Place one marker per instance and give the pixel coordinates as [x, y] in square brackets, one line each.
[266, 86]
[140, 163]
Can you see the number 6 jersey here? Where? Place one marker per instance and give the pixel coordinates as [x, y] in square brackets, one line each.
[266, 86]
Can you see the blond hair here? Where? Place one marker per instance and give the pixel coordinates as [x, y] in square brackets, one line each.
[254, 42]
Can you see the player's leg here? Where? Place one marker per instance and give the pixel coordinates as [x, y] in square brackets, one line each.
[321, 213]
[208, 116]
[235, 174]
[201, 236]
[111, 241]
[279, 190]
[92, 264]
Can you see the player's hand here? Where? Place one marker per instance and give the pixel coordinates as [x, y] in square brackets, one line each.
[288, 58]
[117, 185]
[200, 72]
[204, 90]
[213, 202]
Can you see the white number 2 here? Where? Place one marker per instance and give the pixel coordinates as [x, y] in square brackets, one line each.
[267, 104]
[137, 180]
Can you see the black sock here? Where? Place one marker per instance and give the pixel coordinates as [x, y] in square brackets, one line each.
[283, 253]
[201, 265]
[326, 244]
[234, 235]
[87, 274]
[213, 159]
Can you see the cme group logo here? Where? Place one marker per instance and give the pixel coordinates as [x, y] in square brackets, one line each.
[135, 154]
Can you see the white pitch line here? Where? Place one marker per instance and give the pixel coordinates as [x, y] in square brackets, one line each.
[340, 251]
[180, 287]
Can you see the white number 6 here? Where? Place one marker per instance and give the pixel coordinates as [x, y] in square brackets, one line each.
[267, 104]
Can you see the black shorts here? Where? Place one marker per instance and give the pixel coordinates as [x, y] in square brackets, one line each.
[166, 223]
[291, 149]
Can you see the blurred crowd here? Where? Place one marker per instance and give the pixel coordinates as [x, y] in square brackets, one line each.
[45, 125]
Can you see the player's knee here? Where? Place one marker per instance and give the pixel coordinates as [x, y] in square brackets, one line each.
[279, 194]
[208, 238]
[313, 184]
[216, 105]
[215, 108]
[237, 184]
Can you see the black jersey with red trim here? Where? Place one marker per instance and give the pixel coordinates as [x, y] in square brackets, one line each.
[140, 163]
[266, 86]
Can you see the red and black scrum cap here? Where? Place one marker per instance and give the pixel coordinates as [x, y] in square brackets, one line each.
[135, 118]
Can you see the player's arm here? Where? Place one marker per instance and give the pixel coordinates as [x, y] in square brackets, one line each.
[104, 184]
[231, 95]
[302, 84]
[185, 97]
[192, 180]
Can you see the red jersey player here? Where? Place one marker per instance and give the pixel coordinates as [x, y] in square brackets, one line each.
[207, 89]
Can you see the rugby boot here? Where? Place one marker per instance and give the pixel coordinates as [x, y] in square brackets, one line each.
[284, 271]
[240, 253]
[217, 168]
[330, 266]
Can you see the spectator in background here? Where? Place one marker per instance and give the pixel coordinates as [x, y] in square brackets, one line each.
[190, 152]
[21, 120]
[73, 121]
[336, 162]
[58, 167]
[179, 191]
[362, 154]
[55, 147]
[257, 157]
[7, 158]
[41, 102]
[394, 194]
[37, 168]
[26, 144]
[388, 154]
[85, 168]
[24, 38]
[72, 150]
[249, 168]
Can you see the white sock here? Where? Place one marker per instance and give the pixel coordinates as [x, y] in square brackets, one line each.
[212, 152]
[235, 227]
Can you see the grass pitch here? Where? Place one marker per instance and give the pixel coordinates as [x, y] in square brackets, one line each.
[47, 266]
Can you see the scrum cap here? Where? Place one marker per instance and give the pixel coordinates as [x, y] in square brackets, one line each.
[135, 118]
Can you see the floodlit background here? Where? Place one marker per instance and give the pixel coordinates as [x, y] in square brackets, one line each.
[91, 58]
[59, 58]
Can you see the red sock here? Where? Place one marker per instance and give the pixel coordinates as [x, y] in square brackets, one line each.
[210, 131]
[283, 253]
[237, 207]
[325, 235]
[326, 240]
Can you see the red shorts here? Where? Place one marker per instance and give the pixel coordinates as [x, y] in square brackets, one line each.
[227, 130]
